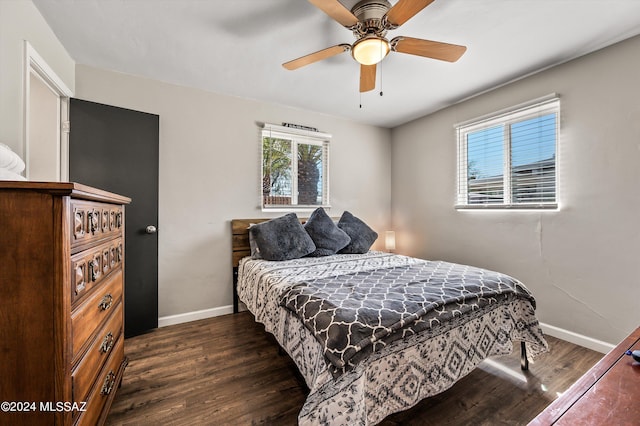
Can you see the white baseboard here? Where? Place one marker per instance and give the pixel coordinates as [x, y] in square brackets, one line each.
[194, 316]
[578, 339]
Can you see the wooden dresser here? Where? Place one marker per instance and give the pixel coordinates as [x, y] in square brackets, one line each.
[607, 394]
[61, 302]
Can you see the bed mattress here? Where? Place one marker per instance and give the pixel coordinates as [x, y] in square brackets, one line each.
[425, 355]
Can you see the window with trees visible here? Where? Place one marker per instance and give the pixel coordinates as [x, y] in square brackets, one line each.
[295, 167]
[508, 160]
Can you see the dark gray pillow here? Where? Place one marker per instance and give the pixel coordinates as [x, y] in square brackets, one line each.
[362, 237]
[282, 238]
[255, 251]
[327, 237]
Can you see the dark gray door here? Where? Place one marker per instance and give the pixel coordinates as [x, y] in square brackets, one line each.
[116, 149]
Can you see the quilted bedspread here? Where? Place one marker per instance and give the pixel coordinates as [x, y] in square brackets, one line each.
[354, 314]
[423, 359]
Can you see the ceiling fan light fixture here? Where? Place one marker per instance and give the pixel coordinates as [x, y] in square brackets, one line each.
[370, 50]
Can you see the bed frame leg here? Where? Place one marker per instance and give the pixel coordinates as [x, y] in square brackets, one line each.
[235, 290]
[524, 362]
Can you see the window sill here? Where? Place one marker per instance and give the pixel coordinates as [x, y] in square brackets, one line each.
[291, 208]
[519, 207]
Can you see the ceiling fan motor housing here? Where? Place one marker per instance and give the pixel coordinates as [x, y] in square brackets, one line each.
[370, 14]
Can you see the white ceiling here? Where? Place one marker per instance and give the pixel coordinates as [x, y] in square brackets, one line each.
[237, 48]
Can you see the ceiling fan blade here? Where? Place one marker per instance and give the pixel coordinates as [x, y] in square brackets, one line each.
[316, 56]
[367, 77]
[427, 48]
[337, 11]
[404, 10]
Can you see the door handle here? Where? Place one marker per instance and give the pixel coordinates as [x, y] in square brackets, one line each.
[151, 229]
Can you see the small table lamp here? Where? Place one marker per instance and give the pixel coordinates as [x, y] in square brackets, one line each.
[390, 240]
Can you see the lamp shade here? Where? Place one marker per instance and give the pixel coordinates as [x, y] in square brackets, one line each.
[390, 240]
[370, 50]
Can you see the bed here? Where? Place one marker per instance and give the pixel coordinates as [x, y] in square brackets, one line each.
[365, 357]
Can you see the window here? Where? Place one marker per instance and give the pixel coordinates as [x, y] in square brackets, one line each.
[508, 160]
[295, 167]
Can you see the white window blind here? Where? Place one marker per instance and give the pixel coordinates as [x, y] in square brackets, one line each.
[509, 159]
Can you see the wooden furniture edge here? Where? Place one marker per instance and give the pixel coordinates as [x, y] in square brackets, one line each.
[78, 190]
[561, 405]
[240, 238]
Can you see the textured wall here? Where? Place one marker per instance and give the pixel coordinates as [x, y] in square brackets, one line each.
[210, 173]
[581, 261]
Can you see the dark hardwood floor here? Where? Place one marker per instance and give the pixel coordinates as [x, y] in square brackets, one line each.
[227, 371]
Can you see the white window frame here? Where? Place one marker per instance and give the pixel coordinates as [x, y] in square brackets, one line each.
[297, 137]
[542, 106]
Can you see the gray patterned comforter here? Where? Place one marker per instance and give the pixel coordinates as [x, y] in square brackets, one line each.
[352, 315]
[395, 376]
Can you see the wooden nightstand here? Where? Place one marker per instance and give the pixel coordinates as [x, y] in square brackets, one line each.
[607, 394]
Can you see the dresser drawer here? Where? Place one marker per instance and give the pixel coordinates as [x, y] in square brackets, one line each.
[87, 318]
[90, 267]
[93, 221]
[103, 344]
[104, 387]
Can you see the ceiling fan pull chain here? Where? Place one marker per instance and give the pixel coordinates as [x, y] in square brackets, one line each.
[380, 79]
[381, 75]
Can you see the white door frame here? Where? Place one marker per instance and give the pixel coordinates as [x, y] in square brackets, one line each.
[36, 65]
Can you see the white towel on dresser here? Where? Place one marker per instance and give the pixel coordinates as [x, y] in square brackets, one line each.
[8, 175]
[10, 161]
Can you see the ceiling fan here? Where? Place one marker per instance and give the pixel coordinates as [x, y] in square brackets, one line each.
[370, 20]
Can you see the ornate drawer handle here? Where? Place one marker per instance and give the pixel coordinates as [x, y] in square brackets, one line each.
[94, 218]
[105, 261]
[109, 383]
[107, 343]
[94, 269]
[106, 302]
[105, 221]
